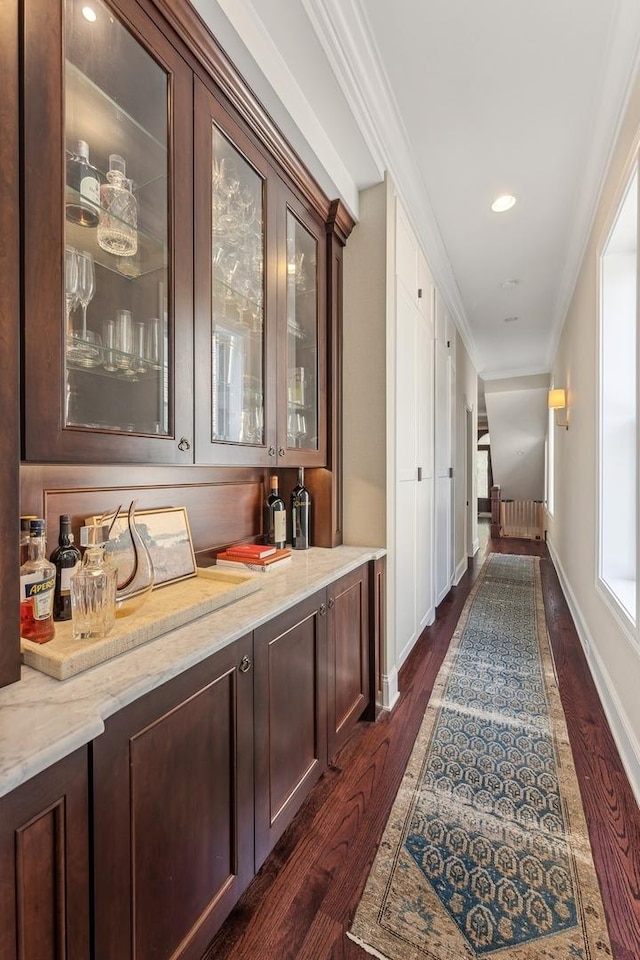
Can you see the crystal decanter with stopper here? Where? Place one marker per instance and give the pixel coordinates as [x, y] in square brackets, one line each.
[118, 225]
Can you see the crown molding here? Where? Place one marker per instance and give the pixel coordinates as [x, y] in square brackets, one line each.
[347, 40]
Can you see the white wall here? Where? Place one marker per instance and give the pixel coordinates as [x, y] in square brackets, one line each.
[518, 427]
[466, 399]
[613, 656]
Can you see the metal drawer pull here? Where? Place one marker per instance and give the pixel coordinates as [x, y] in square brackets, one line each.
[272, 451]
[184, 444]
[281, 452]
[323, 609]
[245, 665]
[331, 603]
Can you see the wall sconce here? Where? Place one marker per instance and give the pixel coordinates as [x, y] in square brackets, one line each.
[558, 401]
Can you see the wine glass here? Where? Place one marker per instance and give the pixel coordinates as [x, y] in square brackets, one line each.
[86, 347]
[86, 286]
[70, 281]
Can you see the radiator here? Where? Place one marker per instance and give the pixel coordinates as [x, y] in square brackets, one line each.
[522, 518]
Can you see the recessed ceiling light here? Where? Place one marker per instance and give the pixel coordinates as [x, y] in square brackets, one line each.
[503, 203]
[509, 284]
[89, 14]
[511, 319]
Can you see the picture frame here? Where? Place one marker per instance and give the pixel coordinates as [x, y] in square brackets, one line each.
[167, 536]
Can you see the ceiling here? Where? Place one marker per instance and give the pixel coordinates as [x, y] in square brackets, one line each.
[460, 101]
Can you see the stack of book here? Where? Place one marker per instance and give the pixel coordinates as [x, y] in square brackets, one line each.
[254, 556]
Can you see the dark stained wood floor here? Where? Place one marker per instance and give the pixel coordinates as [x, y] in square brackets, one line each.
[302, 901]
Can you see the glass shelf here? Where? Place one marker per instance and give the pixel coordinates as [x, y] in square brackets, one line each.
[92, 115]
[128, 366]
[150, 256]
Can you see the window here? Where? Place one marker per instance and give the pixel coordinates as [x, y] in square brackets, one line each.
[618, 405]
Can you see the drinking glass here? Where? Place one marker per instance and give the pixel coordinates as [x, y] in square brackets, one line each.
[124, 342]
[70, 281]
[109, 361]
[85, 349]
[86, 286]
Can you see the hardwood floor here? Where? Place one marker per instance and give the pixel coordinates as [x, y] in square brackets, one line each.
[301, 902]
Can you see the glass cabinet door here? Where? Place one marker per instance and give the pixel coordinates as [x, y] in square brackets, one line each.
[302, 336]
[121, 270]
[234, 386]
[115, 230]
[237, 296]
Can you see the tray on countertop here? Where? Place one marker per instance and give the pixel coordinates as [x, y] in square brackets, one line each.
[166, 609]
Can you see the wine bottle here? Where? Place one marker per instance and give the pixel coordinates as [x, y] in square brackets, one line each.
[275, 517]
[83, 188]
[37, 582]
[65, 558]
[300, 514]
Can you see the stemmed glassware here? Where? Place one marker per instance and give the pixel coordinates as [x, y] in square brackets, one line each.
[84, 345]
[86, 286]
[70, 283]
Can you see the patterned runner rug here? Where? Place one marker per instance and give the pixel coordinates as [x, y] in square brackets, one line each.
[486, 851]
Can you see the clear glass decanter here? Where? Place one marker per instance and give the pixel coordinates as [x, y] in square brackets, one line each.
[118, 225]
[132, 559]
[93, 587]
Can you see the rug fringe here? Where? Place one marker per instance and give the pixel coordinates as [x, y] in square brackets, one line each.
[367, 947]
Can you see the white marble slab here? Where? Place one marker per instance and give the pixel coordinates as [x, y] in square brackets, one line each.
[43, 720]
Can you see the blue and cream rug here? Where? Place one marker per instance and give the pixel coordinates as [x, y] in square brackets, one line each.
[486, 851]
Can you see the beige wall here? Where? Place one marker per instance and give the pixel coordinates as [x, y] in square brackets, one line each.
[614, 657]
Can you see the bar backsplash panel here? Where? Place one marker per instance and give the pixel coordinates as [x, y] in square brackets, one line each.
[223, 504]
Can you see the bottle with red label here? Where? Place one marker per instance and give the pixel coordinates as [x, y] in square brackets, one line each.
[37, 585]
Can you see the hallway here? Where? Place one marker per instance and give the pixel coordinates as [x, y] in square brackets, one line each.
[302, 901]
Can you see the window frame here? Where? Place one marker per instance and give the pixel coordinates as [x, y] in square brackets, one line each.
[630, 625]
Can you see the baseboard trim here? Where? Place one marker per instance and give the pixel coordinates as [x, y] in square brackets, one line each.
[626, 742]
[461, 569]
[390, 692]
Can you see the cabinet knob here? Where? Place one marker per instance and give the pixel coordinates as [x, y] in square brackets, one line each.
[281, 452]
[245, 665]
[323, 609]
[332, 603]
[271, 451]
[184, 444]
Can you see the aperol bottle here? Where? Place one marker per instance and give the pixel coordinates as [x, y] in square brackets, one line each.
[37, 584]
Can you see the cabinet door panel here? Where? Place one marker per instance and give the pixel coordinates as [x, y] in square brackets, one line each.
[106, 346]
[349, 653]
[291, 716]
[302, 371]
[235, 292]
[173, 812]
[44, 865]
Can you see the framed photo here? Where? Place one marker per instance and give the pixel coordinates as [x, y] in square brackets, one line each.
[167, 536]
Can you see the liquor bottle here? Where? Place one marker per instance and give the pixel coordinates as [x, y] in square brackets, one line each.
[275, 517]
[25, 525]
[300, 514]
[83, 187]
[118, 226]
[93, 587]
[65, 559]
[37, 583]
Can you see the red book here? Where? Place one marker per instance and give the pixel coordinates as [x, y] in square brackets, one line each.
[271, 561]
[251, 551]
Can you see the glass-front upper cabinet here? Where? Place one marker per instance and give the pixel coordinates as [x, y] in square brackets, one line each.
[107, 242]
[259, 302]
[235, 412]
[304, 379]
[302, 336]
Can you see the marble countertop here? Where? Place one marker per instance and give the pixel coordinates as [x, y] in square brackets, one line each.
[43, 720]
